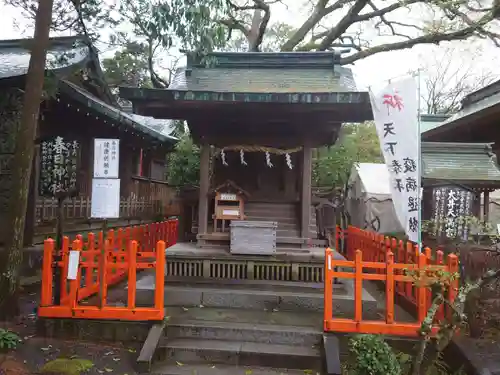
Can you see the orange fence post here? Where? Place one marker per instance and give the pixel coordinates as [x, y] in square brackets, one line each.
[89, 270]
[453, 288]
[103, 271]
[358, 286]
[160, 276]
[421, 288]
[389, 289]
[64, 266]
[439, 261]
[127, 237]
[132, 274]
[328, 289]
[47, 276]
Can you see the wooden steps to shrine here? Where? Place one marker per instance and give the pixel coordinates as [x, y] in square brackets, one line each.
[287, 215]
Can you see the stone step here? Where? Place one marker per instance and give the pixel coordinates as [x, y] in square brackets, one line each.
[268, 327]
[221, 369]
[273, 285]
[224, 236]
[276, 215]
[238, 353]
[251, 297]
[272, 206]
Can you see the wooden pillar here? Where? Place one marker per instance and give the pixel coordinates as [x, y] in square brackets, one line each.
[486, 206]
[204, 186]
[306, 191]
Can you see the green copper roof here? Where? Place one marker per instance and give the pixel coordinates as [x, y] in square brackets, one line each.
[259, 72]
[465, 162]
[475, 106]
[428, 122]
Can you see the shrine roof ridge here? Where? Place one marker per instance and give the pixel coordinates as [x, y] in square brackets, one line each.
[63, 53]
[265, 60]
[483, 93]
[457, 147]
[466, 162]
[156, 128]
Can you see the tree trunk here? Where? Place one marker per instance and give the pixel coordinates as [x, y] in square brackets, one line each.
[11, 259]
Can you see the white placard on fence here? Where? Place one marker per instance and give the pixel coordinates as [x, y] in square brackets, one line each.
[395, 111]
[106, 158]
[73, 263]
[105, 198]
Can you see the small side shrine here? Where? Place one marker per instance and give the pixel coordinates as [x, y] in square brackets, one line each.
[257, 118]
[229, 204]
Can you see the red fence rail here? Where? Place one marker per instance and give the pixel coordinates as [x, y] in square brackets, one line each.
[102, 264]
[405, 271]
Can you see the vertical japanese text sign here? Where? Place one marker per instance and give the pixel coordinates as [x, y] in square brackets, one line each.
[395, 111]
[106, 156]
[58, 167]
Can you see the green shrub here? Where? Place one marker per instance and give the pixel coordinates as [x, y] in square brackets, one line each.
[371, 355]
[8, 340]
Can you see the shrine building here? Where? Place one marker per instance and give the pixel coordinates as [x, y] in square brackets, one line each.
[257, 118]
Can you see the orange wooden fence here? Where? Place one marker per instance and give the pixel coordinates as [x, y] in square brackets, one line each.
[405, 271]
[392, 274]
[375, 247]
[104, 263]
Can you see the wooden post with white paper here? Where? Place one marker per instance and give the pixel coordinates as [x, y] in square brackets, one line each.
[105, 191]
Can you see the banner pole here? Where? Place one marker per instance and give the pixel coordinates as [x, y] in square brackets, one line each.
[419, 164]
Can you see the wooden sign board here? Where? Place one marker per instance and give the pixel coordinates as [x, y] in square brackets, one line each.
[450, 205]
[229, 206]
[106, 158]
[59, 165]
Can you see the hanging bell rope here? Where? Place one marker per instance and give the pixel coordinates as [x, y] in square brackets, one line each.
[242, 157]
[268, 160]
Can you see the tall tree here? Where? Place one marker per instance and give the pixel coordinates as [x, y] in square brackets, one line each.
[448, 75]
[358, 143]
[67, 15]
[12, 255]
[365, 26]
[128, 67]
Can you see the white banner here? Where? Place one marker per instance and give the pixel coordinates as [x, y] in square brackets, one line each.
[395, 111]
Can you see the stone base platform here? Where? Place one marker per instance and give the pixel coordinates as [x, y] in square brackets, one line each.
[188, 260]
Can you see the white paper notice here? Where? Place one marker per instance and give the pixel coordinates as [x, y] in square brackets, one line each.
[73, 263]
[106, 158]
[395, 110]
[105, 198]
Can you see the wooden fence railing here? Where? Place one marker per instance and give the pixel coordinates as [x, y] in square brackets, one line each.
[80, 207]
[375, 248]
[397, 277]
[102, 263]
[405, 271]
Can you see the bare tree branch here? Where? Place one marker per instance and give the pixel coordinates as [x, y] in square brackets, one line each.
[318, 13]
[445, 85]
[431, 38]
[342, 25]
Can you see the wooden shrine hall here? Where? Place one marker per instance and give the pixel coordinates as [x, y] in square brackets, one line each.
[257, 117]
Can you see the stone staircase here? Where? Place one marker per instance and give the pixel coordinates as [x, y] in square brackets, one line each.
[287, 215]
[243, 327]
